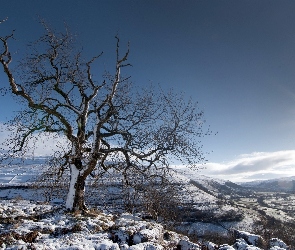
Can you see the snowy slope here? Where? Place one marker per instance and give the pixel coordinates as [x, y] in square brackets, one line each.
[272, 185]
[216, 187]
[28, 225]
[210, 201]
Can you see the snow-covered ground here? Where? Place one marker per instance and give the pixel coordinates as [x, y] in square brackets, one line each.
[28, 222]
[18, 174]
[30, 225]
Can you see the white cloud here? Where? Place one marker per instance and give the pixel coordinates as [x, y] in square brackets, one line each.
[257, 165]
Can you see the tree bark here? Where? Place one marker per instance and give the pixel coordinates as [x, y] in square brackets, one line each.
[79, 200]
[76, 194]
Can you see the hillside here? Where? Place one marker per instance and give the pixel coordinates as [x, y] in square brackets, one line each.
[29, 225]
[219, 188]
[286, 184]
[204, 209]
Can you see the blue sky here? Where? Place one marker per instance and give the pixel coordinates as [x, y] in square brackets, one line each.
[236, 58]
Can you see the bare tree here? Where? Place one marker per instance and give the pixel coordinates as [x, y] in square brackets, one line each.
[108, 124]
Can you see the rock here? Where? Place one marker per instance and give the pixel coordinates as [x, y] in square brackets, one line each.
[226, 247]
[241, 244]
[187, 245]
[251, 239]
[146, 246]
[276, 243]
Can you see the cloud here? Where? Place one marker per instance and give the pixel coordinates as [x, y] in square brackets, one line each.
[257, 165]
[263, 176]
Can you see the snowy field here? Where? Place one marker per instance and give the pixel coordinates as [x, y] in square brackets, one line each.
[18, 174]
[31, 225]
[28, 222]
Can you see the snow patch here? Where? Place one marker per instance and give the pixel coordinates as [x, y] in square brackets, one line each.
[71, 195]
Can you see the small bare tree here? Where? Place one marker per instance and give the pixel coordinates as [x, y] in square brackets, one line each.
[107, 123]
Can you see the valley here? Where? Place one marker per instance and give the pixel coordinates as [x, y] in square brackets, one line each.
[280, 206]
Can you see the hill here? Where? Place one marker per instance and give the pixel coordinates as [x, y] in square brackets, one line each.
[202, 208]
[29, 225]
[286, 184]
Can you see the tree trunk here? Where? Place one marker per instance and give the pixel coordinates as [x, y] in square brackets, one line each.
[76, 195]
[79, 200]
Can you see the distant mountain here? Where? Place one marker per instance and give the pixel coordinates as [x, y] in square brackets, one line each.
[216, 187]
[286, 184]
